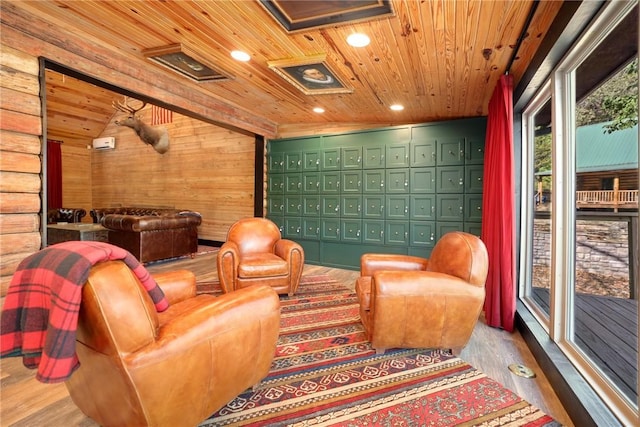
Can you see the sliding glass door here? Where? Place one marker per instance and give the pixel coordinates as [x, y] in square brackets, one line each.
[604, 304]
[580, 228]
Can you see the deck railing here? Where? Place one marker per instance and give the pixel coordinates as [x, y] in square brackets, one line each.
[607, 199]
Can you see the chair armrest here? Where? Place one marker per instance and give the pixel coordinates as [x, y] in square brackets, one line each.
[227, 262]
[78, 214]
[225, 344]
[177, 285]
[293, 254]
[286, 249]
[370, 263]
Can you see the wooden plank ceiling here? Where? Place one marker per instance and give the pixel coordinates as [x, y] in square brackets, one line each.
[440, 59]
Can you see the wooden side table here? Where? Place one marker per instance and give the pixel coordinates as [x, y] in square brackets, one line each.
[57, 233]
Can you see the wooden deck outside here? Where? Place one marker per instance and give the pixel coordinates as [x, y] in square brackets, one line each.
[598, 199]
[608, 199]
[606, 329]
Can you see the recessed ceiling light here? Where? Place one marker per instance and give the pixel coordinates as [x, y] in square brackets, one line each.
[240, 55]
[358, 40]
[397, 107]
[318, 110]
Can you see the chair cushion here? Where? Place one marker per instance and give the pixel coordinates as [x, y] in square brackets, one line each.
[363, 291]
[262, 265]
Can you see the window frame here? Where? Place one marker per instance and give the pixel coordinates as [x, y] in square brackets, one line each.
[528, 207]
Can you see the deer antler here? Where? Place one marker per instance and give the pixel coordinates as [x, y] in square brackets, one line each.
[157, 137]
[125, 107]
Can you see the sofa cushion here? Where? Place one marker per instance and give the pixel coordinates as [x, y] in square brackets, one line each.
[262, 265]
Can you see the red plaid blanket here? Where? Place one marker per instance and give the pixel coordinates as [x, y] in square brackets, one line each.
[40, 314]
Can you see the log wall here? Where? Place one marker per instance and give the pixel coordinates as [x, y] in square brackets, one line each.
[20, 166]
[593, 180]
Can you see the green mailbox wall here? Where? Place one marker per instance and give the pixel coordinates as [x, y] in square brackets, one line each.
[389, 190]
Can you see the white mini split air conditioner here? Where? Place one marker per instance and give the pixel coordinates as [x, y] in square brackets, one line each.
[107, 143]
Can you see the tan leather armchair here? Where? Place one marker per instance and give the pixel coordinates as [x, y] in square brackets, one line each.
[255, 253]
[175, 368]
[412, 302]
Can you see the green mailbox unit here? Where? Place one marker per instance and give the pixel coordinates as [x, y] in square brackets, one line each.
[388, 190]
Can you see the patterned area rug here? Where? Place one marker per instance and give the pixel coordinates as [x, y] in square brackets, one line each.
[326, 373]
[309, 285]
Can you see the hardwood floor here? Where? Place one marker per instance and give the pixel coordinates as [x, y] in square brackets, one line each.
[27, 402]
[606, 329]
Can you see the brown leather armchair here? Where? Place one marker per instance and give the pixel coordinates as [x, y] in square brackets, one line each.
[412, 302]
[175, 368]
[65, 215]
[255, 253]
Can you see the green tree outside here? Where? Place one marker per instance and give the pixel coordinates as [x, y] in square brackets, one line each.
[616, 101]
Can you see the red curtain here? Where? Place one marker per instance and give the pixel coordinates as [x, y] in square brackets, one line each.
[498, 226]
[54, 174]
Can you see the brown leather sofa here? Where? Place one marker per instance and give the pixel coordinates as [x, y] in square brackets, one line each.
[65, 215]
[175, 368]
[256, 254]
[151, 234]
[413, 302]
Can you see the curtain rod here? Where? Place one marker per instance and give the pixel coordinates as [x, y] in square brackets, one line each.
[521, 37]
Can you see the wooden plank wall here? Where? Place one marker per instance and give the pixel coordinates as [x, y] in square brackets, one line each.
[207, 169]
[76, 178]
[20, 166]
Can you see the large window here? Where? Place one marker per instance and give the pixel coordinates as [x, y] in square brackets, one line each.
[580, 227]
[538, 180]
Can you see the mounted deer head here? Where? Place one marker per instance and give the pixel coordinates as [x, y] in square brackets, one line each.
[157, 137]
